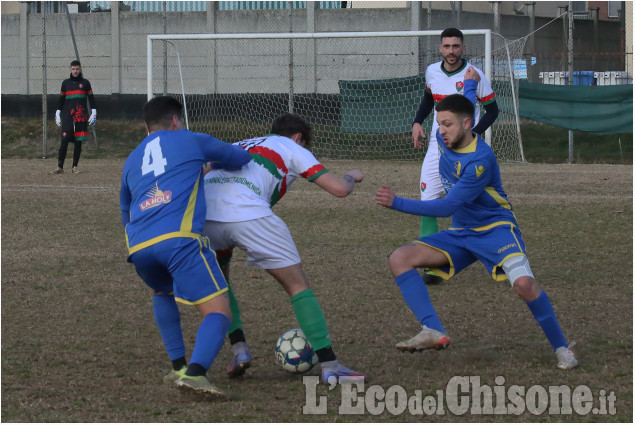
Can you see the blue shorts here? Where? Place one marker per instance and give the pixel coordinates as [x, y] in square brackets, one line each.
[491, 245]
[183, 266]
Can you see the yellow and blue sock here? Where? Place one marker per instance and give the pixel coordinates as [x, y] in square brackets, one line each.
[168, 320]
[416, 295]
[543, 312]
[209, 340]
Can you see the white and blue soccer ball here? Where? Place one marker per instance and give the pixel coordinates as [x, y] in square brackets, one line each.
[294, 352]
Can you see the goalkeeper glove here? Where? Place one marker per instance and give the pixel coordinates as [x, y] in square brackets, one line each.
[92, 120]
[58, 118]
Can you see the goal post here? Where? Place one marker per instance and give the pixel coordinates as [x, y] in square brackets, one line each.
[359, 90]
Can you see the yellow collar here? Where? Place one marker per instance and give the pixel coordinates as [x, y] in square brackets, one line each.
[469, 148]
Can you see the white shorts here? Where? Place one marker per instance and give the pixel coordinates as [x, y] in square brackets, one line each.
[267, 241]
[430, 182]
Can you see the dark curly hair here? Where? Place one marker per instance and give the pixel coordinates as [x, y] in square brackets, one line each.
[289, 124]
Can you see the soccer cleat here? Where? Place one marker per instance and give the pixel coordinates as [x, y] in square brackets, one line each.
[566, 357]
[200, 385]
[174, 375]
[337, 371]
[58, 170]
[74, 170]
[427, 339]
[431, 279]
[240, 363]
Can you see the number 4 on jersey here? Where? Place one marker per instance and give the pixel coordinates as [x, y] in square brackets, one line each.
[153, 159]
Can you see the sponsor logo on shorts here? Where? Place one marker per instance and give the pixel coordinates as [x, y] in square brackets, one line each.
[156, 197]
[506, 247]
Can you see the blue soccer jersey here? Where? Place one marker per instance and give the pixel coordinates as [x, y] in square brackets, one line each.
[162, 194]
[471, 179]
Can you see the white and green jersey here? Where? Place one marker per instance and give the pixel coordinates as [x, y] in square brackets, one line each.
[250, 192]
[441, 83]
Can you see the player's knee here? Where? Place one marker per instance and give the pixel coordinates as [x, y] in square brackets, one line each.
[527, 288]
[398, 261]
[522, 279]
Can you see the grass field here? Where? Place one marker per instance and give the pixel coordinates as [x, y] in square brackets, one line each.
[79, 343]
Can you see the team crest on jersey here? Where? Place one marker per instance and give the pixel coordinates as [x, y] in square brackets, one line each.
[156, 197]
[457, 169]
[81, 86]
[479, 170]
[423, 187]
[459, 86]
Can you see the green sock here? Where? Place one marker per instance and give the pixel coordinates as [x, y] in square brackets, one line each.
[233, 305]
[429, 225]
[311, 319]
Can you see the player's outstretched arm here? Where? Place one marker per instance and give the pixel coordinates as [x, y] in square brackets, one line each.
[221, 154]
[339, 186]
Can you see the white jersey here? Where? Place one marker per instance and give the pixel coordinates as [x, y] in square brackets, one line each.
[249, 193]
[441, 83]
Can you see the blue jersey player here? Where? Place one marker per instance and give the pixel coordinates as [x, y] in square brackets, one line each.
[163, 212]
[483, 228]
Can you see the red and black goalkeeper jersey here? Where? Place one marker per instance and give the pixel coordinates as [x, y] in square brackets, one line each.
[73, 95]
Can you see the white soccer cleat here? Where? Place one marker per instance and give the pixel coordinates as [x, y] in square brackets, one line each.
[200, 385]
[566, 357]
[427, 339]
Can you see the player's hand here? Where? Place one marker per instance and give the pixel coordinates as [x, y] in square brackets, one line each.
[471, 74]
[417, 131]
[58, 118]
[357, 175]
[385, 196]
[92, 120]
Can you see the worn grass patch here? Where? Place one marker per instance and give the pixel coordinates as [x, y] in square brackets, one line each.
[79, 343]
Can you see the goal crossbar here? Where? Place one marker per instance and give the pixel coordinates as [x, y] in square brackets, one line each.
[359, 92]
[314, 35]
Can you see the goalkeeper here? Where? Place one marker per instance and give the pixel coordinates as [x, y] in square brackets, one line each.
[72, 115]
[239, 215]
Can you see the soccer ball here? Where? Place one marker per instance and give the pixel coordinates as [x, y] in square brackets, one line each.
[294, 352]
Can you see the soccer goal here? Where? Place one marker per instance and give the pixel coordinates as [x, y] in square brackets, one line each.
[359, 90]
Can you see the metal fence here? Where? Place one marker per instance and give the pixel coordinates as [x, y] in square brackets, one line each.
[111, 38]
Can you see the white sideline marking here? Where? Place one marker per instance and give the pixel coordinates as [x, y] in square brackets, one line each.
[25, 187]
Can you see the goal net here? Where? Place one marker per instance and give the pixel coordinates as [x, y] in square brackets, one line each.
[360, 91]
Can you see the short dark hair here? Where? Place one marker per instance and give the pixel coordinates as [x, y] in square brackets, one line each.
[76, 63]
[452, 32]
[289, 124]
[457, 104]
[158, 112]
